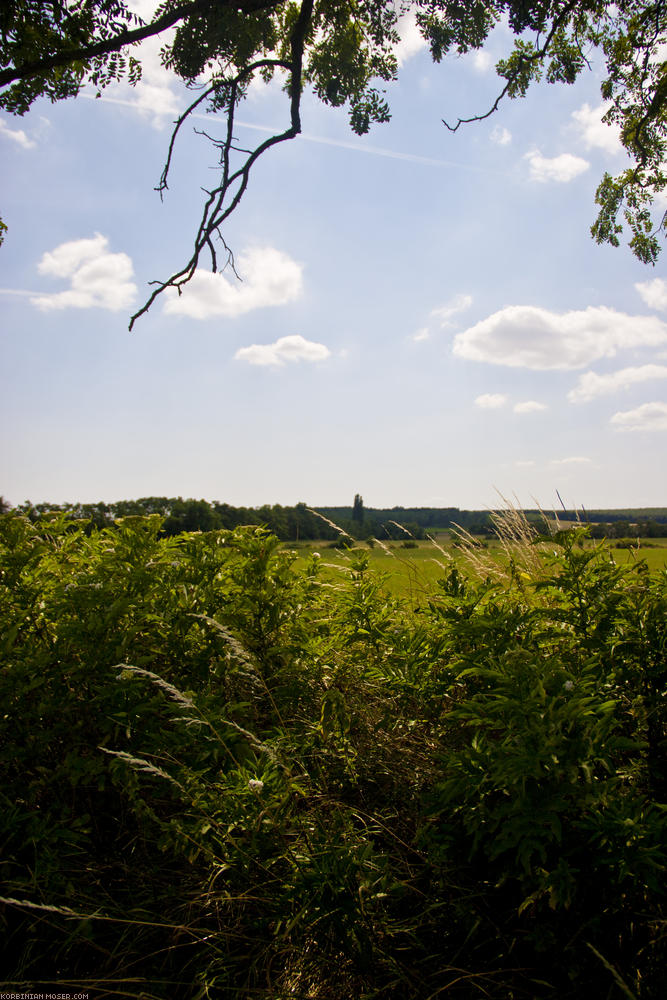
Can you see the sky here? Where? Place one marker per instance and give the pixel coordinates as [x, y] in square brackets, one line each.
[423, 318]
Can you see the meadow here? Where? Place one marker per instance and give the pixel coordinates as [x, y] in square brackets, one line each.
[412, 568]
[233, 771]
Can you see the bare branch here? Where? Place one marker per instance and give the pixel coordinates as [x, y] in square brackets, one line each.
[224, 199]
[215, 86]
[480, 118]
[163, 186]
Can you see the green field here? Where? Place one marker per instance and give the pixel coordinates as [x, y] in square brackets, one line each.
[412, 572]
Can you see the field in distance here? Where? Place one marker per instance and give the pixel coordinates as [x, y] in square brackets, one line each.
[412, 568]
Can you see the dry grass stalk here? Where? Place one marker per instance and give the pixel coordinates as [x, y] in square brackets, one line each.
[160, 682]
[140, 764]
[517, 538]
[385, 548]
[65, 911]
[439, 547]
[338, 566]
[326, 521]
[236, 647]
[477, 558]
[401, 528]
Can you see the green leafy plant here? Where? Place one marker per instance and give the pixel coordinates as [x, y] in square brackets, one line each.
[224, 774]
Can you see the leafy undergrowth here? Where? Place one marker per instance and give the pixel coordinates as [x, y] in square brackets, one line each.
[223, 776]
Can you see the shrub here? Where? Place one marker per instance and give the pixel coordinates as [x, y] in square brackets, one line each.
[223, 776]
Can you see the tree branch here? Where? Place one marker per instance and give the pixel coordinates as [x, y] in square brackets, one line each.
[224, 199]
[523, 59]
[38, 67]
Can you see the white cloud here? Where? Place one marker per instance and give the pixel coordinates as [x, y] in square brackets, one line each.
[531, 337]
[155, 99]
[573, 460]
[482, 61]
[17, 135]
[421, 334]
[562, 169]
[591, 385]
[647, 417]
[524, 463]
[654, 293]
[411, 40]
[66, 258]
[456, 305]
[284, 350]
[501, 136]
[594, 133]
[529, 406]
[98, 279]
[270, 278]
[154, 96]
[144, 8]
[491, 400]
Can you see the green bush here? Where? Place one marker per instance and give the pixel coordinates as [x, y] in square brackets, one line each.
[223, 776]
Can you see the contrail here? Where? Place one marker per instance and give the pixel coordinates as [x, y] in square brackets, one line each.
[357, 148]
[390, 154]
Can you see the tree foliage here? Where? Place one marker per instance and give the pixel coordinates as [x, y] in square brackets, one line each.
[345, 50]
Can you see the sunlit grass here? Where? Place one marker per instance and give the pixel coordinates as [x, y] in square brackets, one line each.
[412, 572]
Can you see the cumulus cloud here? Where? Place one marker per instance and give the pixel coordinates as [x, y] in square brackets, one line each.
[531, 337]
[98, 279]
[647, 417]
[573, 460]
[594, 133]
[270, 278]
[421, 334]
[591, 385]
[456, 305]
[491, 400]
[654, 293]
[501, 136]
[285, 350]
[529, 406]
[16, 135]
[562, 169]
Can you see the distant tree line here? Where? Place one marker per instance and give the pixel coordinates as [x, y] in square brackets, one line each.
[627, 529]
[289, 523]
[301, 523]
[632, 515]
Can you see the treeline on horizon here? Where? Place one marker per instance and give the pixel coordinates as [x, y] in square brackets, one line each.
[302, 523]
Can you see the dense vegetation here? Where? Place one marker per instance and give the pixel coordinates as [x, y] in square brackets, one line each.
[226, 777]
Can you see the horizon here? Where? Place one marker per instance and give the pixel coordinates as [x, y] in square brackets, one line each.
[557, 509]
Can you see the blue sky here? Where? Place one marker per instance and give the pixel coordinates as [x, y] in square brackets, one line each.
[423, 318]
